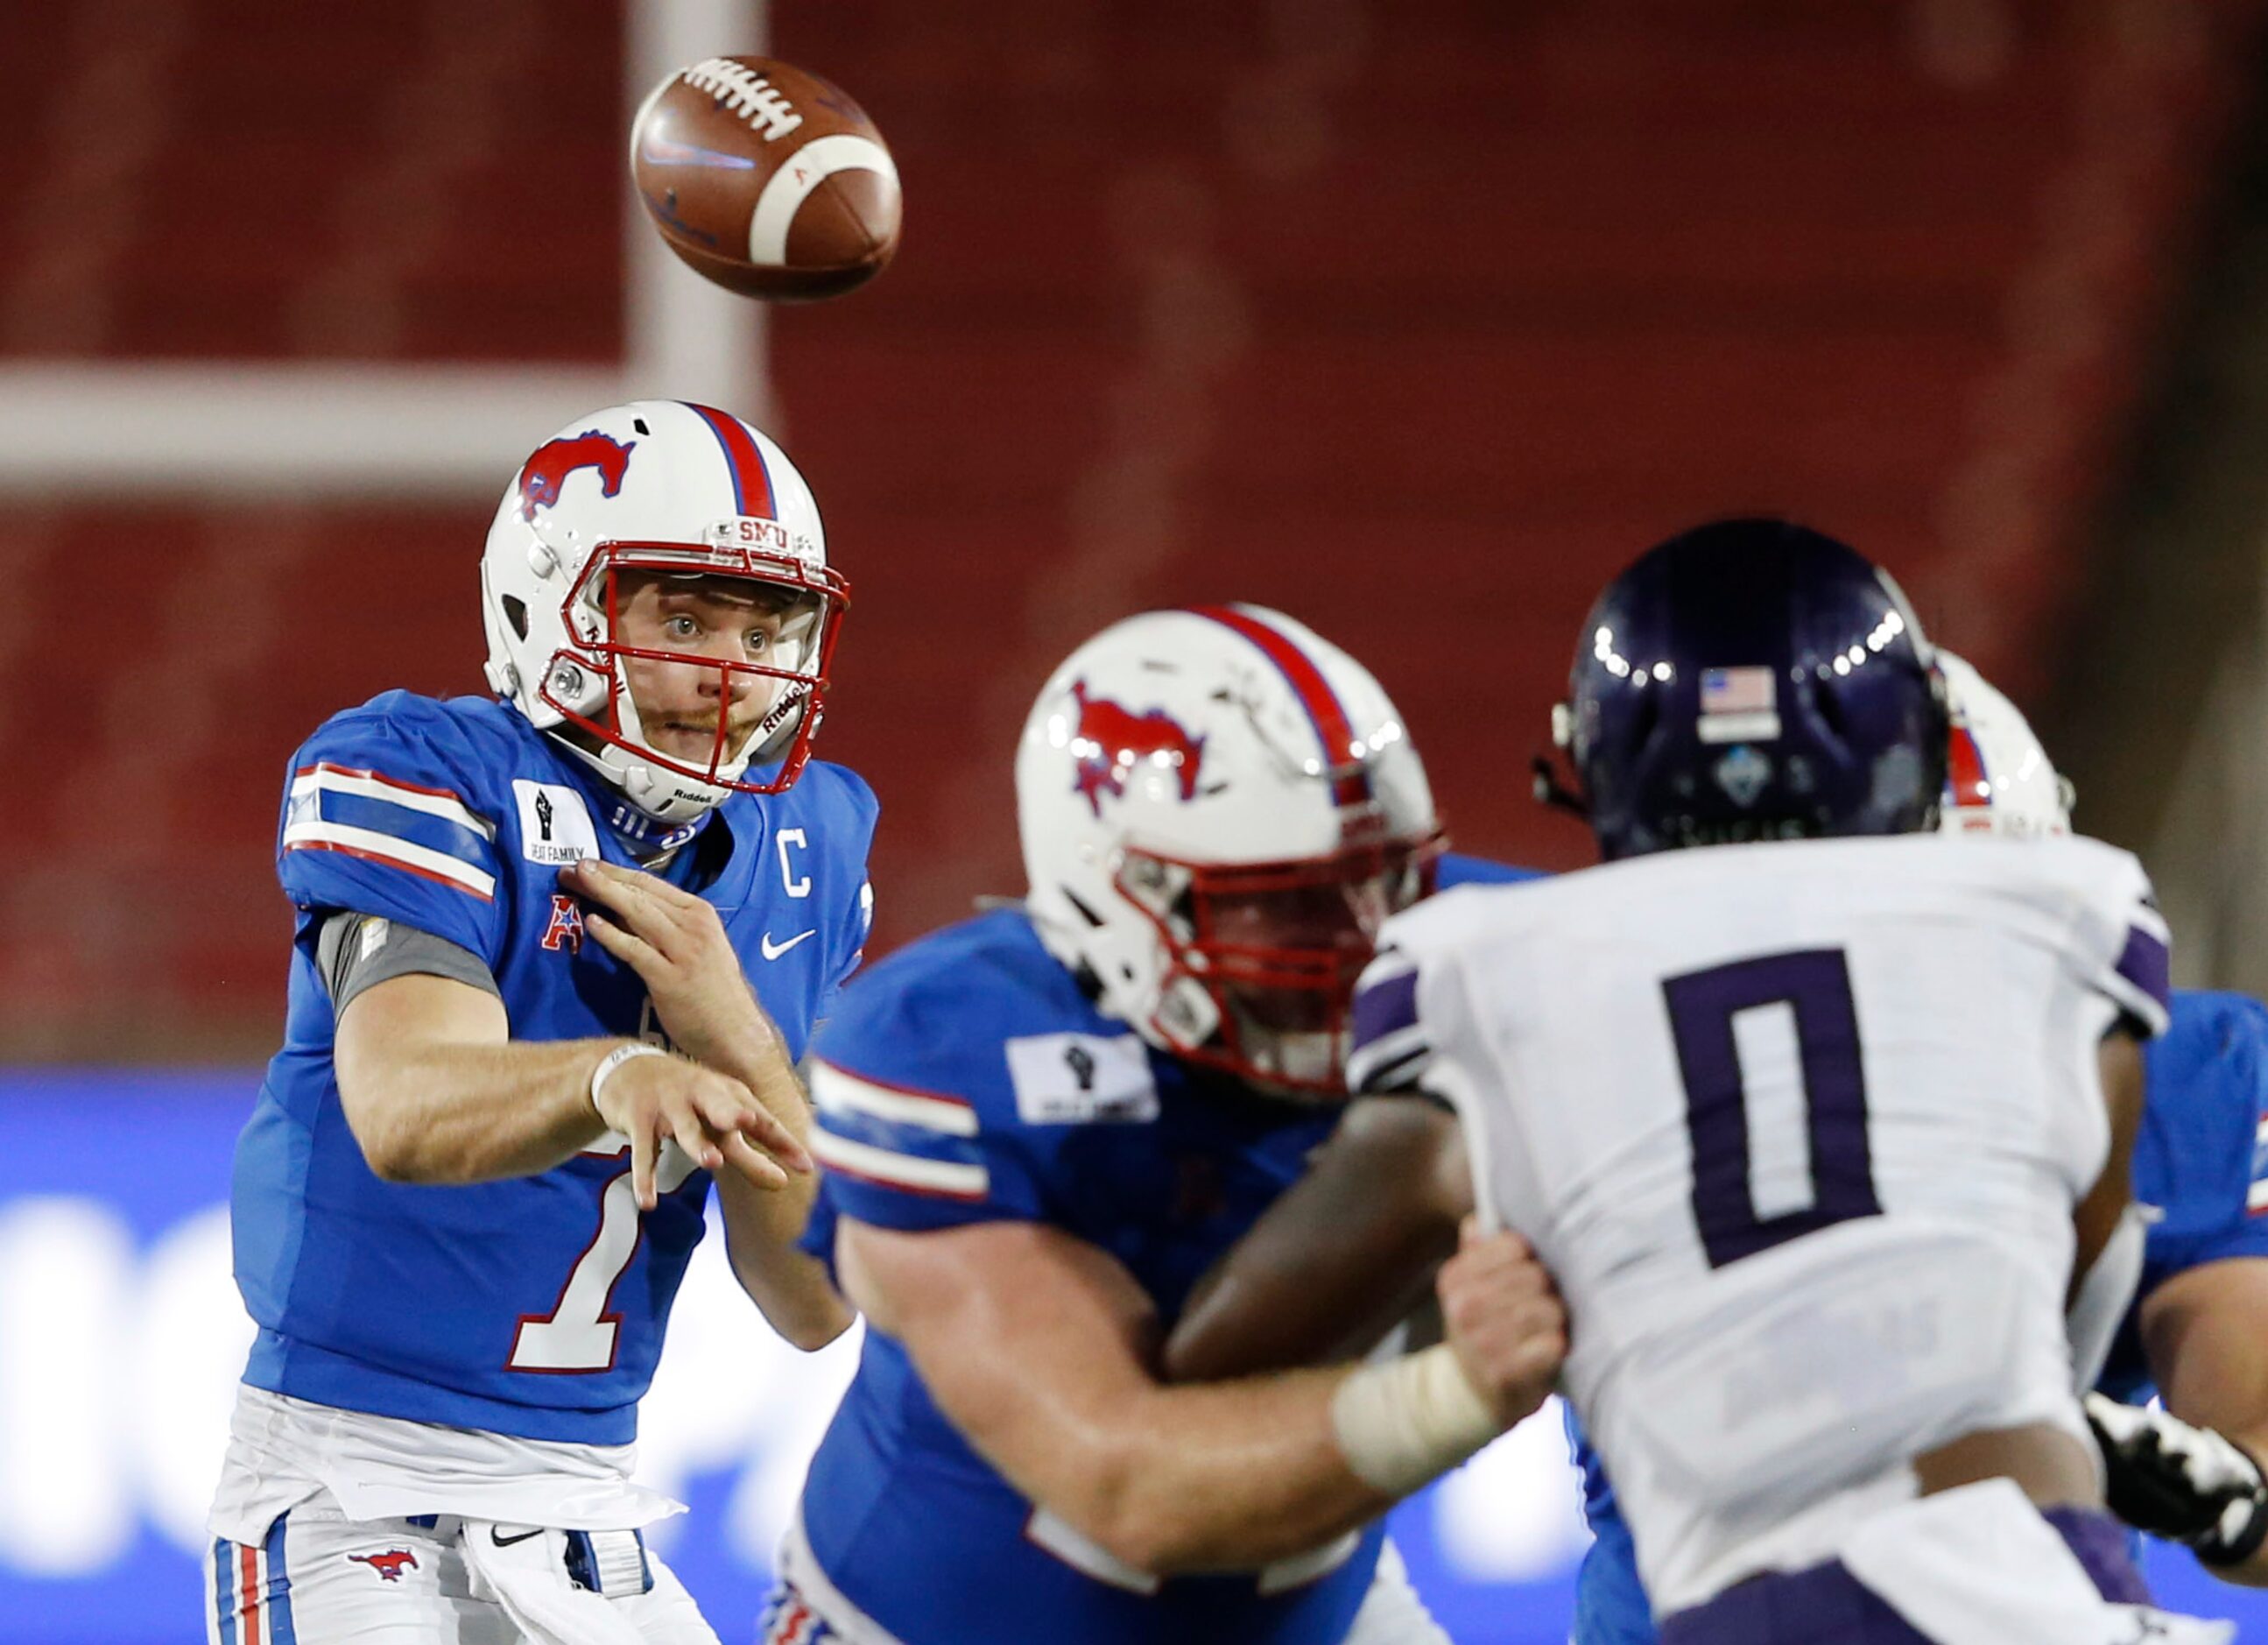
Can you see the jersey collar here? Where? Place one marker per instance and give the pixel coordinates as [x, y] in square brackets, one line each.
[642, 839]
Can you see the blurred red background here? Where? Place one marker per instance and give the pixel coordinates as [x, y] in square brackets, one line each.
[1415, 321]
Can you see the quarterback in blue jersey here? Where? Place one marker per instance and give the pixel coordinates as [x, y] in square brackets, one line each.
[1041, 1125]
[558, 955]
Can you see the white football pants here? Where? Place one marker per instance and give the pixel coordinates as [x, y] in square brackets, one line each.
[319, 1578]
[810, 1612]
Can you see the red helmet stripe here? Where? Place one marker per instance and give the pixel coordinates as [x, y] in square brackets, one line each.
[1328, 714]
[1965, 770]
[752, 481]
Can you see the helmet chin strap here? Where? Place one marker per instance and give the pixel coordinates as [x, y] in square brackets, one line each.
[634, 773]
[629, 774]
[633, 731]
[1304, 1058]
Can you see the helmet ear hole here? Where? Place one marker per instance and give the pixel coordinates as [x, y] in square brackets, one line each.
[515, 611]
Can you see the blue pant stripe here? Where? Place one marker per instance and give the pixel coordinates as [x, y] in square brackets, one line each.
[224, 1588]
[280, 1631]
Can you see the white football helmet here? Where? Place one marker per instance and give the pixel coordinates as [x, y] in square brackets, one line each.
[657, 486]
[1998, 778]
[1218, 809]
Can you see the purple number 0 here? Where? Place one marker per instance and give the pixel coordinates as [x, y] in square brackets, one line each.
[1815, 983]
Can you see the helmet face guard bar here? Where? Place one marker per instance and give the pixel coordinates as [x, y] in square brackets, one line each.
[801, 691]
[1214, 922]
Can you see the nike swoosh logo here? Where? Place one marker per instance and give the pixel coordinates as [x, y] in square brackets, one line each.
[773, 953]
[503, 1541]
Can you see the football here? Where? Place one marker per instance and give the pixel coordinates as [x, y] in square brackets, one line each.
[767, 179]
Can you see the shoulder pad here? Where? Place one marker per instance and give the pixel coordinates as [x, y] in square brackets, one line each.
[391, 809]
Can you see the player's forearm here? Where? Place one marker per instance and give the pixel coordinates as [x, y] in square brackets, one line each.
[1227, 1476]
[760, 1230]
[1341, 1258]
[791, 1290]
[472, 1113]
[1246, 1319]
[2201, 1331]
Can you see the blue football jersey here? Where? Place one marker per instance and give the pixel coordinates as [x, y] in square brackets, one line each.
[534, 1306]
[2200, 1160]
[968, 1079]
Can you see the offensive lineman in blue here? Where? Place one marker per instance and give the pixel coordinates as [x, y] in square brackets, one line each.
[2195, 1327]
[558, 955]
[1041, 1125]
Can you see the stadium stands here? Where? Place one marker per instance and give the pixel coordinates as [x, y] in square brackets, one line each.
[1415, 319]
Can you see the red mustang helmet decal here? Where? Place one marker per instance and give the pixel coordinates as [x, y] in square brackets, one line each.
[555, 460]
[1111, 740]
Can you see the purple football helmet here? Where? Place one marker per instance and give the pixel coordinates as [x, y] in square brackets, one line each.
[1753, 680]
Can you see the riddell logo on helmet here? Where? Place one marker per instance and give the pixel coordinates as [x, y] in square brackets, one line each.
[1111, 740]
[554, 460]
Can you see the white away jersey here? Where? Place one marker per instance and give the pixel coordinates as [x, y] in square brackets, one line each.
[1798, 1128]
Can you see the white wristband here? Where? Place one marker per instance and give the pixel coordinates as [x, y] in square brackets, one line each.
[1401, 1423]
[613, 1060]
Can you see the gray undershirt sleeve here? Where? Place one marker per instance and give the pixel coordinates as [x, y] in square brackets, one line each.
[357, 951]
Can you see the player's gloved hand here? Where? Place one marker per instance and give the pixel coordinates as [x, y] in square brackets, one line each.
[1503, 1319]
[676, 943]
[2173, 1479]
[714, 1119]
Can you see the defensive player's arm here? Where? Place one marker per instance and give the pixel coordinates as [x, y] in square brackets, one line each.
[2097, 1218]
[2108, 1233]
[1344, 1255]
[1042, 1351]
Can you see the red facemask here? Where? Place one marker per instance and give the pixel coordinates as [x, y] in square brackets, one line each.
[1276, 947]
[801, 693]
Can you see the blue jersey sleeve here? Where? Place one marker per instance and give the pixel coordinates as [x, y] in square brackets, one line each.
[2202, 1157]
[384, 813]
[917, 1122]
[902, 1157]
[1458, 869]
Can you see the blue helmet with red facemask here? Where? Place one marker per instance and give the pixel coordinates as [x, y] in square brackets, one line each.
[1753, 680]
